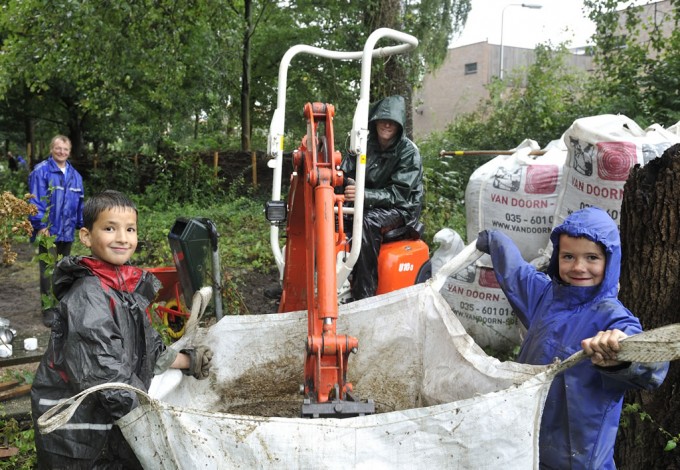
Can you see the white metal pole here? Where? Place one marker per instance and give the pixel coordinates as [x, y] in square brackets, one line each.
[276, 129]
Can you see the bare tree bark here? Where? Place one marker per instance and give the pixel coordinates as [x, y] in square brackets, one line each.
[650, 288]
[245, 77]
[394, 80]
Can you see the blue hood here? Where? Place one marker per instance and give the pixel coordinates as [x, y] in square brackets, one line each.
[596, 225]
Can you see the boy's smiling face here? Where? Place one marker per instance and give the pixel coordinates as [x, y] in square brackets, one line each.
[113, 237]
[581, 261]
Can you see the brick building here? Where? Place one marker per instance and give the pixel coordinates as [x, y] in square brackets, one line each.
[459, 84]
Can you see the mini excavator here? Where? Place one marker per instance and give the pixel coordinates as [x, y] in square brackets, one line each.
[319, 256]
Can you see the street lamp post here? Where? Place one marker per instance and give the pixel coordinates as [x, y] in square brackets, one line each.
[523, 5]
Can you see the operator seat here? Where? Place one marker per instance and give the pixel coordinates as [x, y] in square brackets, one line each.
[405, 232]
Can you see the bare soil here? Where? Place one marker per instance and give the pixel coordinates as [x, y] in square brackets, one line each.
[20, 292]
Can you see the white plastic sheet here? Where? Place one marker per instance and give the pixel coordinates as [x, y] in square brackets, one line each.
[441, 400]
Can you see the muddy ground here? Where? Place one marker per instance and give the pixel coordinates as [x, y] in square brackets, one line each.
[20, 292]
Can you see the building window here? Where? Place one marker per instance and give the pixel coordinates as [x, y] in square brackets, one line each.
[471, 68]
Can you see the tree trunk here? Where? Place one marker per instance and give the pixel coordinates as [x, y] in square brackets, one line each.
[394, 81]
[29, 130]
[76, 136]
[245, 78]
[650, 288]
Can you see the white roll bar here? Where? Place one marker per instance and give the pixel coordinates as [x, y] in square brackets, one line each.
[358, 136]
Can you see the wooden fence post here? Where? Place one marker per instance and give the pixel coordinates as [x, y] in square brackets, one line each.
[254, 162]
[216, 159]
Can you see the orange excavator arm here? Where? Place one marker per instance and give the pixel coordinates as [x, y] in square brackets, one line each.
[315, 235]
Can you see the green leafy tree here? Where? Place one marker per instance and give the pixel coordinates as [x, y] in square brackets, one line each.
[330, 25]
[638, 61]
[431, 21]
[539, 103]
[142, 74]
[104, 63]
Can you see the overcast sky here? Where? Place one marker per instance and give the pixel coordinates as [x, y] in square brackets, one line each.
[557, 21]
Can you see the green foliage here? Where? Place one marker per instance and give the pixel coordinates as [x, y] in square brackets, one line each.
[17, 434]
[21, 437]
[445, 181]
[135, 74]
[539, 103]
[153, 228]
[634, 410]
[175, 177]
[158, 325]
[21, 376]
[50, 258]
[113, 170]
[244, 232]
[16, 182]
[242, 243]
[124, 69]
[232, 300]
[636, 77]
[503, 355]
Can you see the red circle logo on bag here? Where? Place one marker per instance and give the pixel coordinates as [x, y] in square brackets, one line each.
[615, 159]
[541, 179]
[487, 278]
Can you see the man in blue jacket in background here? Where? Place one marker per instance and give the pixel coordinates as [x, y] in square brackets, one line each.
[58, 193]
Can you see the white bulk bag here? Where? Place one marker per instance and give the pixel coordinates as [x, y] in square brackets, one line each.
[601, 150]
[517, 194]
[441, 401]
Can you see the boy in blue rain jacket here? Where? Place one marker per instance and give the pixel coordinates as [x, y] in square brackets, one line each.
[574, 306]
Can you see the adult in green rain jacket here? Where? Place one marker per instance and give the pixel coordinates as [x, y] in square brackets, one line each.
[393, 194]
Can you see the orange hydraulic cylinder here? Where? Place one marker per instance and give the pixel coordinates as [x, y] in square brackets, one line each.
[324, 223]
